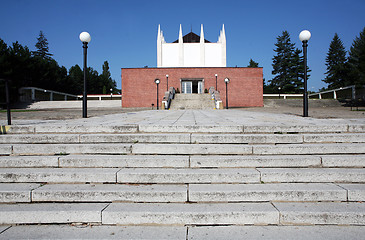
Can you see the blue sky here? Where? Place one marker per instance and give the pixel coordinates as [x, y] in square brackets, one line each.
[124, 32]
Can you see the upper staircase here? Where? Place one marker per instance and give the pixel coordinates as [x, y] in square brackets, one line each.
[192, 101]
[183, 175]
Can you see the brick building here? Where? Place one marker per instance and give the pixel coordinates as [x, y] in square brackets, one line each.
[192, 64]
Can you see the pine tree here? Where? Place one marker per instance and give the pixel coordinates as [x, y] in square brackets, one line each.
[42, 47]
[106, 79]
[288, 66]
[336, 64]
[253, 64]
[357, 60]
[284, 64]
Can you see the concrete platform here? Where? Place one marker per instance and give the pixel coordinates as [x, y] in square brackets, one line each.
[93, 232]
[277, 232]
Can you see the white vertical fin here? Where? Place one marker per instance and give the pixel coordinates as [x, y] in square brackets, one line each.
[202, 47]
[224, 48]
[181, 48]
[159, 47]
[201, 34]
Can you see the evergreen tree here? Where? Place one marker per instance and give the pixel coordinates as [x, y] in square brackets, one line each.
[357, 60]
[284, 65]
[288, 66]
[336, 64]
[106, 80]
[42, 47]
[253, 64]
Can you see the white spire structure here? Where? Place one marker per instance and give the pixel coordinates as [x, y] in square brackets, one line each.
[194, 52]
[181, 48]
[202, 46]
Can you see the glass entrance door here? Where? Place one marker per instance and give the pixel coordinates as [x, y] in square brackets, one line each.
[186, 87]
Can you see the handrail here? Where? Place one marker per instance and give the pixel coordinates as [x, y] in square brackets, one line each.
[168, 97]
[7, 93]
[216, 97]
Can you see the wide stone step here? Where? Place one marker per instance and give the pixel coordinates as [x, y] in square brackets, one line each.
[182, 161]
[124, 161]
[62, 149]
[321, 213]
[243, 149]
[110, 193]
[25, 192]
[181, 214]
[179, 176]
[285, 128]
[307, 175]
[17, 192]
[71, 231]
[51, 213]
[269, 192]
[58, 175]
[277, 213]
[247, 161]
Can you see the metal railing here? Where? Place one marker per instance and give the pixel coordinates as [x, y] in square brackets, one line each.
[7, 96]
[166, 101]
[216, 97]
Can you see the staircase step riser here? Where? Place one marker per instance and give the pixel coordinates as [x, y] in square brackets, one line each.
[182, 161]
[285, 192]
[181, 176]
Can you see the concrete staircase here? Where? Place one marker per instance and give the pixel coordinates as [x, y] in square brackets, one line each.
[183, 175]
[192, 101]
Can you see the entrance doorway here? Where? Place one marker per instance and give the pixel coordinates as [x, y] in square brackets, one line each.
[190, 86]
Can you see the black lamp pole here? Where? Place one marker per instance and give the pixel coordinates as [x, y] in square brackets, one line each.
[84, 97]
[304, 37]
[157, 81]
[305, 95]
[167, 81]
[226, 80]
[216, 79]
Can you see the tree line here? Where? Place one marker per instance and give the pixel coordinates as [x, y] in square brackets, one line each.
[37, 68]
[343, 68]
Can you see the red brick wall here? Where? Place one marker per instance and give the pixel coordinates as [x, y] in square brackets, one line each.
[244, 90]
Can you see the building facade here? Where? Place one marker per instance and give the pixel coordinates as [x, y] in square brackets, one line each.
[192, 65]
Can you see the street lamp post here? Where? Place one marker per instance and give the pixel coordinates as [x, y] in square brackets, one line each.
[167, 81]
[304, 37]
[226, 80]
[216, 86]
[157, 81]
[85, 39]
[279, 88]
[111, 94]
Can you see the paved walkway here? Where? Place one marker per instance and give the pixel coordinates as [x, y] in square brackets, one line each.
[230, 117]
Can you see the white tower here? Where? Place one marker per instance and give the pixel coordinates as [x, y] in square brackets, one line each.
[191, 50]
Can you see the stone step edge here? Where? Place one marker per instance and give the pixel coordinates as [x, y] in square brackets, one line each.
[183, 161]
[183, 149]
[182, 175]
[186, 214]
[182, 138]
[193, 193]
[58, 128]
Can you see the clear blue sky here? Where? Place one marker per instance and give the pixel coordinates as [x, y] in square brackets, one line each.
[124, 32]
